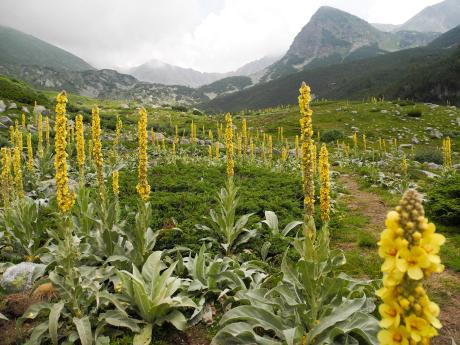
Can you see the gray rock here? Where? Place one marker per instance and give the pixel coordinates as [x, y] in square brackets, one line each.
[458, 121]
[12, 106]
[415, 140]
[39, 109]
[184, 141]
[456, 167]
[5, 120]
[20, 277]
[25, 110]
[435, 134]
[159, 136]
[405, 146]
[2, 106]
[429, 174]
[124, 106]
[432, 165]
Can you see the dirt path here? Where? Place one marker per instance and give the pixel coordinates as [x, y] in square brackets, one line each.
[446, 284]
[368, 204]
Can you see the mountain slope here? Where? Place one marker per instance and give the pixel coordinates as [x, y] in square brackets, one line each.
[350, 80]
[103, 84]
[19, 48]
[437, 18]
[155, 71]
[332, 35]
[448, 40]
[159, 72]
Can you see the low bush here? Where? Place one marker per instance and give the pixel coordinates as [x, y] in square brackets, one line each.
[443, 200]
[428, 156]
[414, 113]
[331, 136]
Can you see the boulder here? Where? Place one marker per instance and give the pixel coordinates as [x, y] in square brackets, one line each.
[184, 141]
[415, 140]
[39, 109]
[432, 165]
[458, 121]
[124, 106]
[5, 120]
[12, 106]
[25, 110]
[435, 134]
[405, 146]
[20, 277]
[2, 106]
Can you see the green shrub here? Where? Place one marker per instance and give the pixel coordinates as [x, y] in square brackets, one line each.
[331, 136]
[414, 113]
[19, 91]
[428, 155]
[181, 108]
[443, 200]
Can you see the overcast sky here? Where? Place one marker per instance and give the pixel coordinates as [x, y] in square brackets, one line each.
[207, 35]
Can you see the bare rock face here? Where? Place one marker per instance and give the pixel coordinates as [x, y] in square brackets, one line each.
[20, 277]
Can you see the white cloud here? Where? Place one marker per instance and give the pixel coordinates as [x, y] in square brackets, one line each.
[208, 35]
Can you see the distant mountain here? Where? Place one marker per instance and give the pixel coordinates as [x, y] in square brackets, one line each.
[437, 18]
[332, 36]
[448, 40]
[385, 27]
[19, 48]
[103, 84]
[429, 73]
[226, 86]
[156, 71]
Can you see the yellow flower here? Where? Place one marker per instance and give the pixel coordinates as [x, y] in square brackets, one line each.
[97, 149]
[30, 153]
[418, 328]
[65, 197]
[80, 145]
[325, 183]
[307, 143]
[229, 145]
[413, 261]
[391, 315]
[393, 336]
[409, 246]
[143, 187]
[40, 135]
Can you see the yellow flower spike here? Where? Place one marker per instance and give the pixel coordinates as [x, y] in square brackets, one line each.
[23, 121]
[40, 135]
[409, 246]
[80, 139]
[65, 198]
[244, 135]
[210, 152]
[307, 143]
[325, 184]
[143, 187]
[6, 178]
[229, 145]
[97, 150]
[19, 141]
[270, 148]
[30, 153]
[12, 136]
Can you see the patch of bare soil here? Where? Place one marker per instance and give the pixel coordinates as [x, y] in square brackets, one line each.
[368, 204]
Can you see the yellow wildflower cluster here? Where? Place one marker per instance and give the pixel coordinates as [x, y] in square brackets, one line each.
[355, 140]
[307, 143]
[410, 248]
[23, 121]
[296, 147]
[40, 135]
[229, 145]
[217, 145]
[364, 142]
[325, 190]
[447, 153]
[6, 178]
[270, 148]
[12, 136]
[143, 187]
[210, 155]
[97, 149]
[80, 146]
[65, 197]
[30, 153]
[19, 142]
